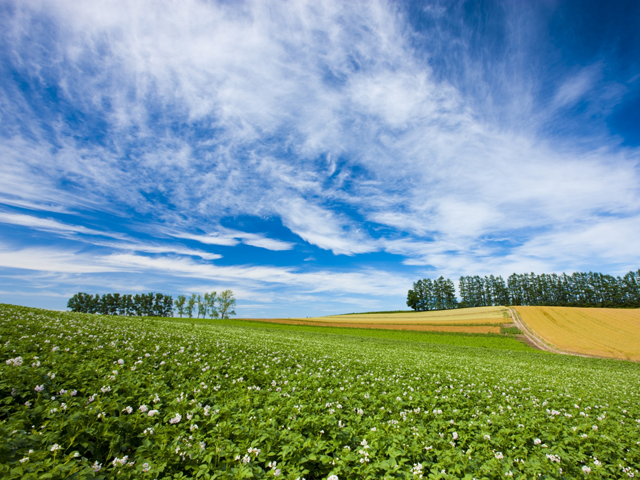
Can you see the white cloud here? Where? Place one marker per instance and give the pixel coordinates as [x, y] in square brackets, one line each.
[46, 224]
[48, 259]
[575, 87]
[229, 237]
[321, 114]
[324, 228]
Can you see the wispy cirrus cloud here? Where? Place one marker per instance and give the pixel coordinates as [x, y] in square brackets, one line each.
[342, 129]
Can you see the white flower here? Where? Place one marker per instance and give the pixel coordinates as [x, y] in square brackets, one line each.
[487, 437]
[120, 461]
[121, 362]
[586, 470]
[96, 466]
[332, 477]
[152, 413]
[176, 419]
[39, 388]
[15, 362]
[145, 467]
[537, 441]
[128, 409]
[25, 459]
[105, 389]
[595, 427]
[499, 455]
[143, 408]
[246, 459]
[455, 435]
[55, 447]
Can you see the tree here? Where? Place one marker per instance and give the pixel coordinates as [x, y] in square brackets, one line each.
[191, 305]
[210, 300]
[180, 304]
[412, 299]
[202, 307]
[75, 303]
[167, 306]
[226, 302]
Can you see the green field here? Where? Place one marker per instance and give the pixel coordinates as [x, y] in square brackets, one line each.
[85, 396]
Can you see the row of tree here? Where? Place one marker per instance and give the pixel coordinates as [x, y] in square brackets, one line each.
[430, 294]
[155, 304]
[145, 304]
[577, 290]
[212, 304]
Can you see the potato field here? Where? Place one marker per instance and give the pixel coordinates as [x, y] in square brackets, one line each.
[87, 396]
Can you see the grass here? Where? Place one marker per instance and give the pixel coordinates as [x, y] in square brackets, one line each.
[490, 341]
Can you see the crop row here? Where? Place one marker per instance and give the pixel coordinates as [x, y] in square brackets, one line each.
[86, 396]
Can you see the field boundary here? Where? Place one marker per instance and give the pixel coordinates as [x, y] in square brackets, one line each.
[538, 342]
[484, 329]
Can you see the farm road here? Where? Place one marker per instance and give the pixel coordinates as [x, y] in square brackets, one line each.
[535, 341]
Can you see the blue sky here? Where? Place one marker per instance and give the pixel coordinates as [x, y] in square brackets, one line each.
[314, 157]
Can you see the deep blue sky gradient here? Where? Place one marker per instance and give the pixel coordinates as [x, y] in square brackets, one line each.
[315, 158]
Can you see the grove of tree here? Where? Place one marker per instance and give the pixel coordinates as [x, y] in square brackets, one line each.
[576, 290]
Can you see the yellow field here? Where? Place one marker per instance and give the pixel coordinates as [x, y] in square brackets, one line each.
[478, 315]
[604, 332]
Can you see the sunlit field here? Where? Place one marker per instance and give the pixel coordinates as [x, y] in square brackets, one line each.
[478, 315]
[480, 320]
[605, 332]
[86, 396]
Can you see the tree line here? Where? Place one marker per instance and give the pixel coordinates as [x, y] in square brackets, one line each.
[430, 294]
[155, 304]
[579, 289]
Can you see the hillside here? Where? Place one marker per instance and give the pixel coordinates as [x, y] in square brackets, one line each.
[601, 332]
[480, 320]
[97, 397]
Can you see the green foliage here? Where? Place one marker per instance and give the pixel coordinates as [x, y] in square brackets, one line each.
[577, 290]
[150, 304]
[510, 330]
[191, 303]
[472, 340]
[210, 300]
[430, 294]
[98, 397]
[180, 305]
[226, 302]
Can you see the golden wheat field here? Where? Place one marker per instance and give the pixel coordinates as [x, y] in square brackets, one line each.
[465, 316]
[604, 332]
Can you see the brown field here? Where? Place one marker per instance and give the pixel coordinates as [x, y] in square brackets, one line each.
[464, 316]
[389, 326]
[603, 332]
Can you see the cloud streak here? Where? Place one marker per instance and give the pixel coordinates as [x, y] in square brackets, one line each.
[346, 132]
